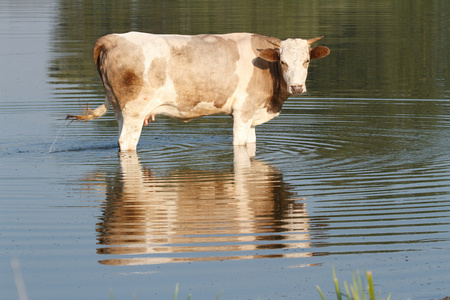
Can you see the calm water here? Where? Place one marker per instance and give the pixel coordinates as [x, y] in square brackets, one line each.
[354, 174]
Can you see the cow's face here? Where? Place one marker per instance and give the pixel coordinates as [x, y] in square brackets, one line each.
[294, 56]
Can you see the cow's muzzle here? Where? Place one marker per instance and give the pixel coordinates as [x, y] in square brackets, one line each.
[298, 89]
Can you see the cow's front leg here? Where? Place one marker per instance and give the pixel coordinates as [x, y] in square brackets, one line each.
[251, 137]
[243, 132]
[129, 132]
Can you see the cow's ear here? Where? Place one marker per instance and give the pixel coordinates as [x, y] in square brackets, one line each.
[271, 55]
[319, 52]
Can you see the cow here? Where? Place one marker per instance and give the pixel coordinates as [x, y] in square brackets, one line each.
[245, 75]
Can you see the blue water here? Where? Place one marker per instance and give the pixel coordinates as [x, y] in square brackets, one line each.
[355, 182]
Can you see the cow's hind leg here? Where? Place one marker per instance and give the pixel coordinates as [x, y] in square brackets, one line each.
[129, 131]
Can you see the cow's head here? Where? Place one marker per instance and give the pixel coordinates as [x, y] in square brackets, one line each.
[294, 56]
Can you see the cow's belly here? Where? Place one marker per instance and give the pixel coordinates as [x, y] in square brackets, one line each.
[200, 109]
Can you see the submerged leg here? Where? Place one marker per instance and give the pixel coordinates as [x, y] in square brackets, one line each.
[129, 132]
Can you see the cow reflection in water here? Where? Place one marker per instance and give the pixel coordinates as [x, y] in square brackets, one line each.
[195, 215]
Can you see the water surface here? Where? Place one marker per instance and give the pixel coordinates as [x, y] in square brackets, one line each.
[353, 174]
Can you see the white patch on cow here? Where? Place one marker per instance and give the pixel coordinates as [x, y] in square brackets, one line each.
[242, 128]
[163, 101]
[210, 39]
[243, 132]
[294, 58]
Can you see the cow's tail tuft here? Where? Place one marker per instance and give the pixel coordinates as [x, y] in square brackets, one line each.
[89, 114]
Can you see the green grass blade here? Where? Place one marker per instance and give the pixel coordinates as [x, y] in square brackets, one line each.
[347, 290]
[218, 296]
[320, 292]
[336, 285]
[361, 287]
[371, 288]
[176, 292]
[354, 288]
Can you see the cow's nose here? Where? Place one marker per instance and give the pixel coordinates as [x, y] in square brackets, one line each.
[298, 89]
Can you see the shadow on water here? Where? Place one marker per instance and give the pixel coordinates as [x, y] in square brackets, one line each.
[84, 148]
[244, 211]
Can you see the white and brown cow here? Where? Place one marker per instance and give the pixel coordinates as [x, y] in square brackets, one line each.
[247, 76]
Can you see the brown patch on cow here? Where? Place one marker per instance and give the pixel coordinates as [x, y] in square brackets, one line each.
[204, 71]
[157, 72]
[130, 78]
[271, 55]
[267, 87]
[121, 66]
[319, 52]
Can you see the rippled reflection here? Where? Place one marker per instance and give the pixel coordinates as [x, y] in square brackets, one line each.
[200, 215]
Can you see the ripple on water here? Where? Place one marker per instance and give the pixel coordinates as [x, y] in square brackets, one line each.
[236, 211]
[325, 181]
[377, 180]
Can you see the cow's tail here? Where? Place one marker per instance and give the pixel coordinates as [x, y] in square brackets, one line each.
[99, 54]
[88, 113]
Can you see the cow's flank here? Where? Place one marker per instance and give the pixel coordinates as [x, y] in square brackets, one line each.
[125, 71]
[196, 82]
